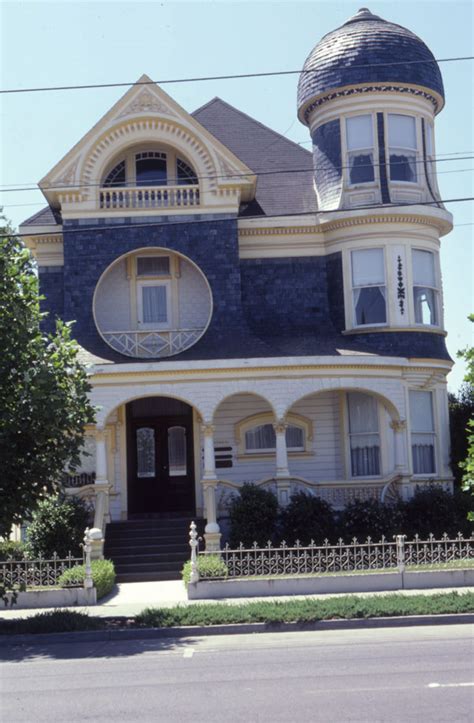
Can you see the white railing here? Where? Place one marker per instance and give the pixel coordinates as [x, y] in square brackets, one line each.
[157, 197]
[151, 344]
[356, 556]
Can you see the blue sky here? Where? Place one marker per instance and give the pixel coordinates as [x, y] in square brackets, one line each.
[67, 43]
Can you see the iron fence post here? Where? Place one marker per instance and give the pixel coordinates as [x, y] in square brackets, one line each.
[193, 543]
[400, 542]
[88, 582]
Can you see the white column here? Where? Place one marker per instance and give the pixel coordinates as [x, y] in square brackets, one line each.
[212, 533]
[281, 450]
[100, 457]
[399, 428]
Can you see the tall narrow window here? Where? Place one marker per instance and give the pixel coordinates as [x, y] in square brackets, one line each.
[368, 284]
[153, 304]
[425, 292]
[262, 438]
[402, 147]
[177, 451]
[145, 452]
[360, 148]
[422, 432]
[364, 435]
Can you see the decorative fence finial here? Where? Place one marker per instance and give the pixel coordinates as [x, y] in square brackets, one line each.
[193, 543]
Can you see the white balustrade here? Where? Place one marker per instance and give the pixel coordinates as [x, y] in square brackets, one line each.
[151, 344]
[149, 197]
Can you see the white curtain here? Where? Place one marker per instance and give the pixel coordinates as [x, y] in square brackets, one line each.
[401, 131]
[154, 304]
[261, 437]
[359, 132]
[368, 267]
[423, 268]
[364, 434]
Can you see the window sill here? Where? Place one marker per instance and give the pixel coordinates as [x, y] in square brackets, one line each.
[271, 455]
[391, 329]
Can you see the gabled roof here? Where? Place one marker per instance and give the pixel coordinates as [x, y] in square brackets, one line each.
[46, 217]
[264, 151]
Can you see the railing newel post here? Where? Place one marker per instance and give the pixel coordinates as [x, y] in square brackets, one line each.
[193, 543]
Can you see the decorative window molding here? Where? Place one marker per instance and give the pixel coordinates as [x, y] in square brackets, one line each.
[400, 286]
[423, 437]
[266, 419]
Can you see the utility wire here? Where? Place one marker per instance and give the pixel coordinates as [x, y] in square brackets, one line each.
[101, 229]
[224, 77]
[229, 175]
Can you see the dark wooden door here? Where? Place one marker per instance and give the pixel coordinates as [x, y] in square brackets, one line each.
[160, 465]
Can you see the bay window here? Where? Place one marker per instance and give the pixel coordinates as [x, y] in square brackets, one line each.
[363, 435]
[425, 292]
[422, 432]
[402, 147]
[360, 148]
[368, 287]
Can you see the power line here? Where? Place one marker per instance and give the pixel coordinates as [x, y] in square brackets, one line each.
[224, 77]
[258, 174]
[158, 224]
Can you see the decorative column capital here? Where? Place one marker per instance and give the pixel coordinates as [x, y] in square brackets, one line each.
[280, 426]
[208, 429]
[100, 434]
[398, 425]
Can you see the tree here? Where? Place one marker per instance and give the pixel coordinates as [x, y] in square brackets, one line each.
[461, 410]
[44, 403]
[468, 464]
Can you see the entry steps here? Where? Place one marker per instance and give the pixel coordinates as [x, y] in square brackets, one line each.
[149, 549]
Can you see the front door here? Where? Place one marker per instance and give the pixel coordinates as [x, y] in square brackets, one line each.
[160, 465]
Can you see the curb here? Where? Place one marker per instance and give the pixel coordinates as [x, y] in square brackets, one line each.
[234, 629]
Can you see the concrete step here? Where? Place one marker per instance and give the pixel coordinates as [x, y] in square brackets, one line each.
[147, 576]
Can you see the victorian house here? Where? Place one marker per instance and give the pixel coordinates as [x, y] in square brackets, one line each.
[250, 311]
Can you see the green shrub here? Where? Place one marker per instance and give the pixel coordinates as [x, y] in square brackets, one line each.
[103, 575]
[253, 516]
[370, 518]
[208, 566]
[307, 518]
[12, 549]
[432, 510]
[58, 526]
[54, 621]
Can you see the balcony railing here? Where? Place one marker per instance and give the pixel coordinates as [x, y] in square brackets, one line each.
[151, 344]
[157, 197]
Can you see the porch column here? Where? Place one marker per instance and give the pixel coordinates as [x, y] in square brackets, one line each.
[212, 533]
[100, 457]
[281, 450]
[399, 427]
[101, 502]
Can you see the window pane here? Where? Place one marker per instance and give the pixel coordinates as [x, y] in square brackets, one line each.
[361, 167]
[154, 304]
[368, 267]
[261, 437]
[401, 131]
[422, 449]
[177, 451]
[294, 437]
[116, 177]
[425, 305]
[363, 416]
[359, 132]
[369, 305]
[153, 266]
[403, 167]
[423, 268]
[365, 459]
[151, 171]
[145, 452]
[421, 412]
[429, 139]
[185, 173]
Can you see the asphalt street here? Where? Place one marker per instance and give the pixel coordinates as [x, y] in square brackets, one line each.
[399, 674]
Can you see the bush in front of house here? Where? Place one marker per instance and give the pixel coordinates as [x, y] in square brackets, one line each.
[57, 526]
[307, 518]
[11, 549]
[253, 516]
[432, 510]
[208, 566]
[103, 576]
[52, 621]
[370, 518]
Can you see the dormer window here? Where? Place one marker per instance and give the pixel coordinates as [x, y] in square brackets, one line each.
[151, 168]
[402, 148]
[360, 148]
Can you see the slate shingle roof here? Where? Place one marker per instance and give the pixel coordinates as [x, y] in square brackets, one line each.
[367, 40]
[290, 191]
[46, 217]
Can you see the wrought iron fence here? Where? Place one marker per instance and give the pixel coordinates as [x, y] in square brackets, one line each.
[35, 573]
[356, 556]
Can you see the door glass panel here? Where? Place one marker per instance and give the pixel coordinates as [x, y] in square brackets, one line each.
[177, 451]
[145, 452]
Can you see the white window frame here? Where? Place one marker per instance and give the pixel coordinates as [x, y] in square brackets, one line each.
[258, 420]
[355, 287]
[432, 434]
[348, 435]
[373, 150]
[403, 149]
[435, 289]
[140, 277]
[141, 283]
[172, 156]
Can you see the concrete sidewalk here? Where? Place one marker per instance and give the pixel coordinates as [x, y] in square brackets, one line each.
[129, 599]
